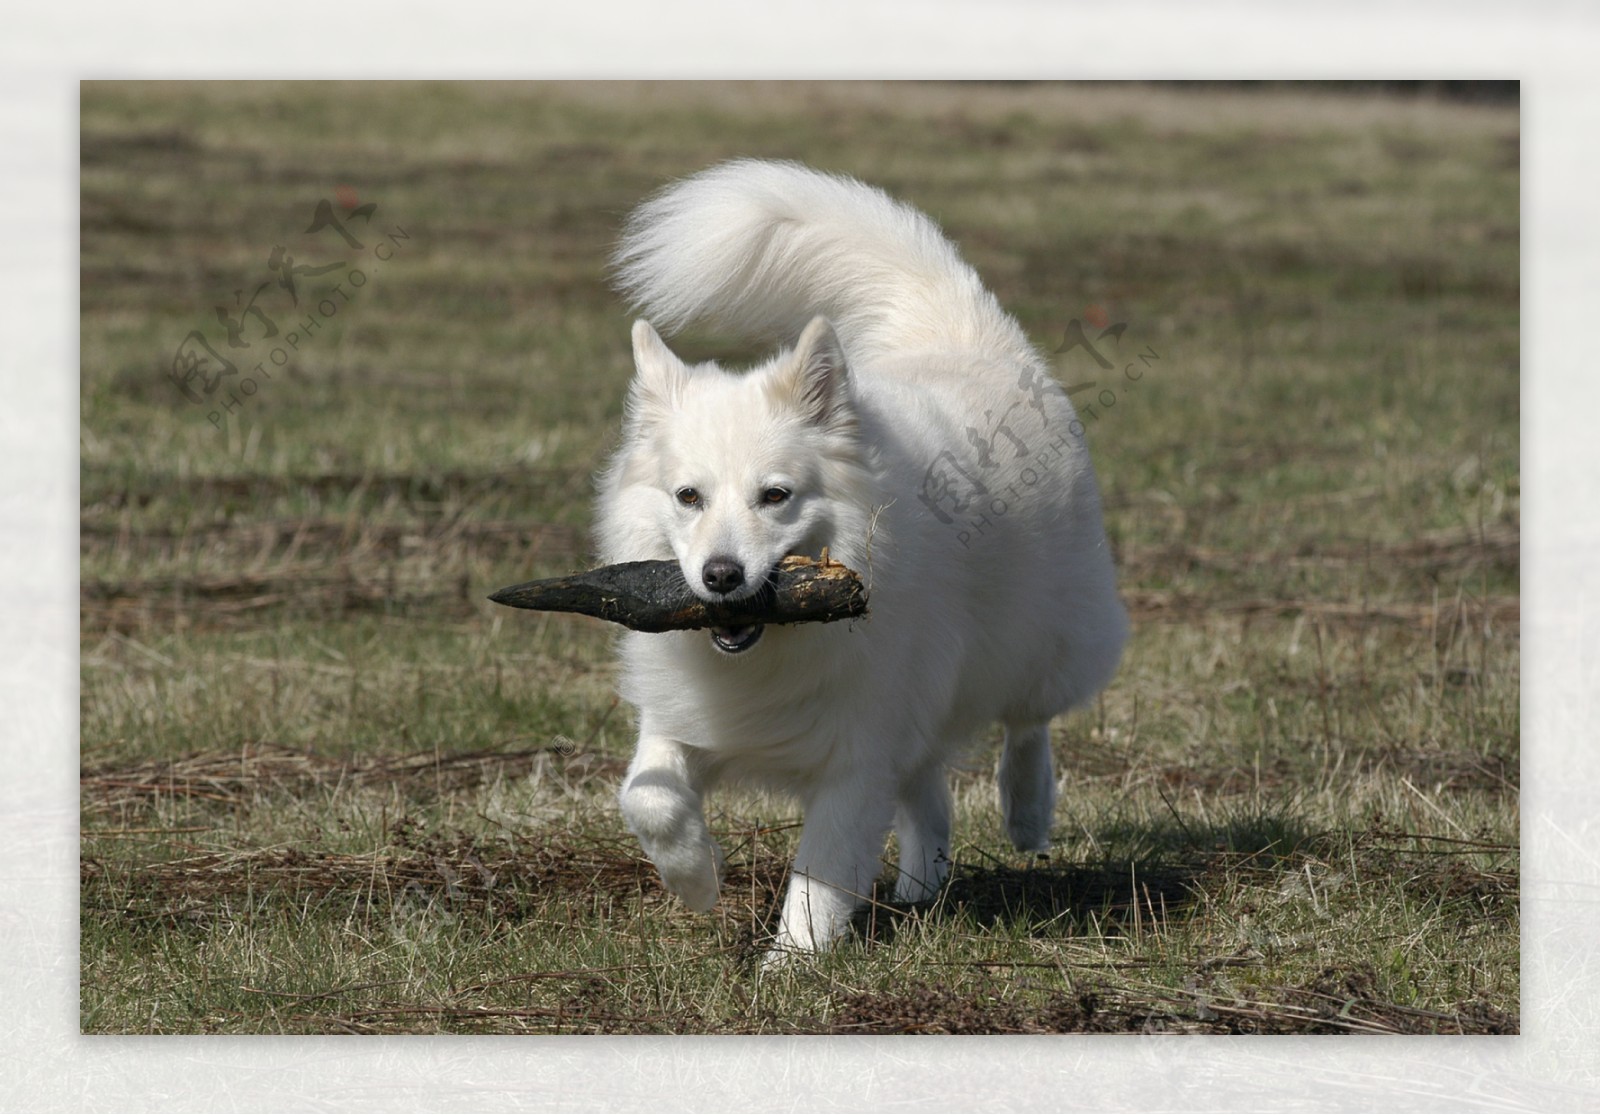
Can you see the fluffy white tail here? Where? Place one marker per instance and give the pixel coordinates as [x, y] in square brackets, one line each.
[761, 247]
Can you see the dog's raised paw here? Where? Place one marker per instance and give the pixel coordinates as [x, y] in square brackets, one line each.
[694, 875]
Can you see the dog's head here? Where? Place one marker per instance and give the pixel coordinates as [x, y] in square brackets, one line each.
[730, 473]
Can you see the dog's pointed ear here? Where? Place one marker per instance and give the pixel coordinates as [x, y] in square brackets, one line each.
[659, 376]
[817, 377]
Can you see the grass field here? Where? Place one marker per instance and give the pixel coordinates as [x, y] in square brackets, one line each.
[327, 787]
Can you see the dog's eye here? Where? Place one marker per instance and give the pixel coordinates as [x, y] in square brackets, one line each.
[775, 495]
[688, 497]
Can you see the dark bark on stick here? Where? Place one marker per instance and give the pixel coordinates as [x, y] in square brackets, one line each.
[652, 596]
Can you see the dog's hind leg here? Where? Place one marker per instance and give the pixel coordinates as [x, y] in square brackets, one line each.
[661, 803]
[1027, 786]
[922, 824]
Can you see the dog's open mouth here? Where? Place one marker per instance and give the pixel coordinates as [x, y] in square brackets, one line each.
[735, 640]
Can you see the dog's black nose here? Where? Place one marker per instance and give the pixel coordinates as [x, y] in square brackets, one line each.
[722, 575]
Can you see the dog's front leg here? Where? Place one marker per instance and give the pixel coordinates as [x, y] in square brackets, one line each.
[839, 857]
[661, 804]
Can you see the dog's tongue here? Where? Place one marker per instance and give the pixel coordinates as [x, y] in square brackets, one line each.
[736, 638]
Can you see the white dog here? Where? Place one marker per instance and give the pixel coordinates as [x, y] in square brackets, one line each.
[913, 432]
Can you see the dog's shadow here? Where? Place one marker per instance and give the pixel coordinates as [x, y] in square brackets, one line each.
[1159, 880]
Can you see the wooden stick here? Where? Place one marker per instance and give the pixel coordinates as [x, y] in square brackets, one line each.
[652, 596]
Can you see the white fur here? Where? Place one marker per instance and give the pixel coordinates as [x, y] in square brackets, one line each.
[1006, 610]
